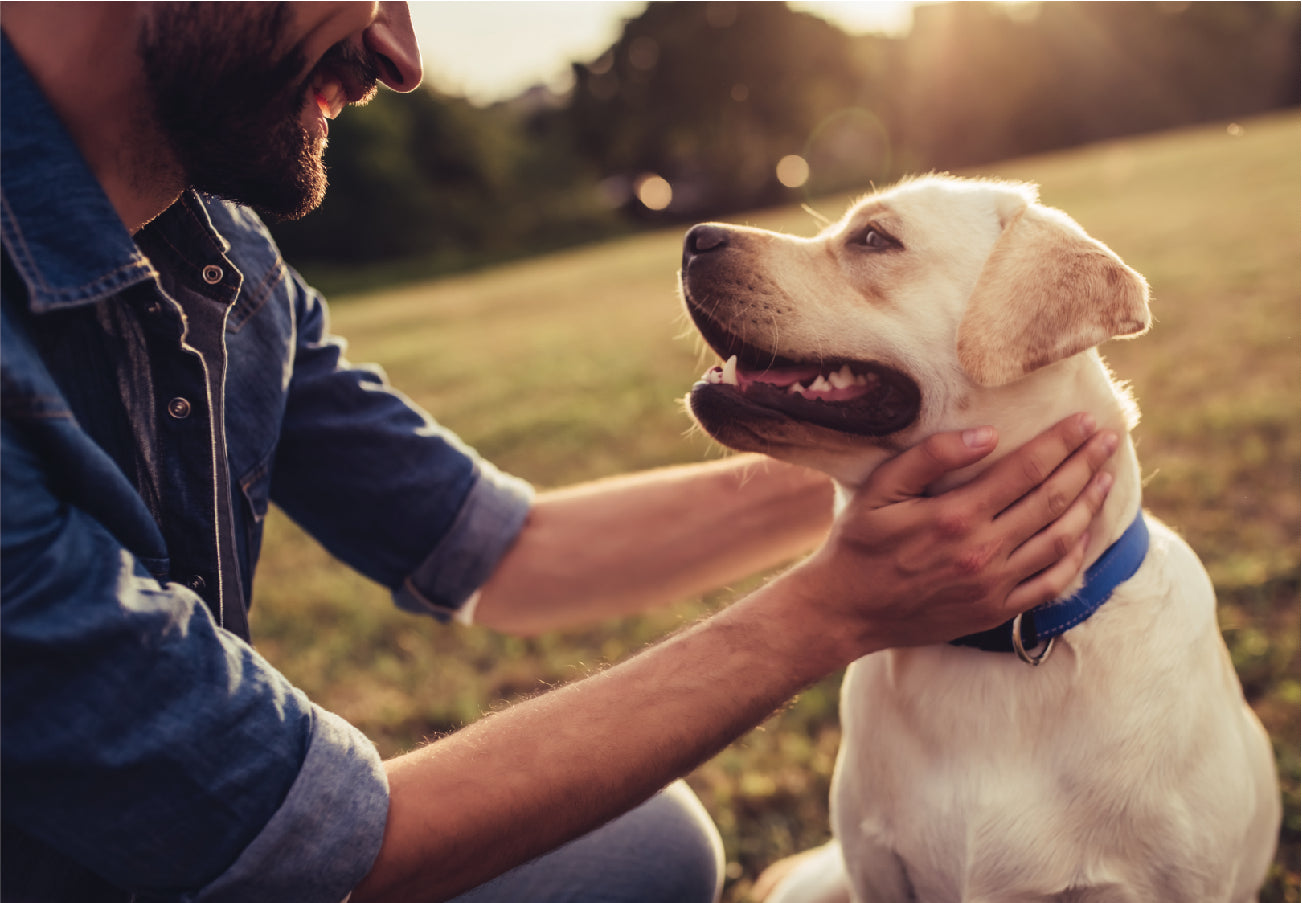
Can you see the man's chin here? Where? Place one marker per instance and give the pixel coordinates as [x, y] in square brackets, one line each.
[288, 192]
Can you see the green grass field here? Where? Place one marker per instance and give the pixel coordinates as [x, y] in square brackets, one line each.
[572, 366]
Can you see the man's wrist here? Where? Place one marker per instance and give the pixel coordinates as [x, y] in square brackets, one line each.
[803, 628]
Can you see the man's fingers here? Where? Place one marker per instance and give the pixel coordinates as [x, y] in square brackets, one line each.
[1049, 546]
[908, 474]
[1050, 583]
[1076, 479]
[1029, 466]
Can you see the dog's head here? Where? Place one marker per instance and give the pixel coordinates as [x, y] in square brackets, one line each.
[879, 330]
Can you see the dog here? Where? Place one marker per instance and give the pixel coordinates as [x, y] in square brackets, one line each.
[1125, 766]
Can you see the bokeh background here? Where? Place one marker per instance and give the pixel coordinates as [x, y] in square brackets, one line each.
[511, 261]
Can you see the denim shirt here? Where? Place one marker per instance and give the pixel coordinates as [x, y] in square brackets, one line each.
[157, 393]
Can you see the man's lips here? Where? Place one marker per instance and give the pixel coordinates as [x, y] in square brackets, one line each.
[344, 75]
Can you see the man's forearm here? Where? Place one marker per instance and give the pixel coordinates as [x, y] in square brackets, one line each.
[898, 569]
[472, 805]
[621, 545]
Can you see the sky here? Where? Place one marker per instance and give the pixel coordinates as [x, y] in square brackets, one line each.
[490, 50]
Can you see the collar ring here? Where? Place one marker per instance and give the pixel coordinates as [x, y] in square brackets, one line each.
[1032, 657]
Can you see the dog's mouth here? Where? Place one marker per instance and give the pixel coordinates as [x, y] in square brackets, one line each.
[861, 398]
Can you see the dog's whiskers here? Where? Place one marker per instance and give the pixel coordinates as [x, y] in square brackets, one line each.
[822, 221]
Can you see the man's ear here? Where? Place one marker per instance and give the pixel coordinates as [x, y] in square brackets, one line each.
[1047, 291]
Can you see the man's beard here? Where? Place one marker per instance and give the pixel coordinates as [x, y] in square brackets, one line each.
[228, 94]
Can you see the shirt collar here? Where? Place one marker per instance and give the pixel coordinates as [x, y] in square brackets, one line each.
[58, 227]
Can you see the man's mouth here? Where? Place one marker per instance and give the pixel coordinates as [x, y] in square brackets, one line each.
[330, 96]
[344, 75]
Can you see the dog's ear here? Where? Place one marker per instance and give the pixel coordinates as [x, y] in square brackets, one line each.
[1047, 291]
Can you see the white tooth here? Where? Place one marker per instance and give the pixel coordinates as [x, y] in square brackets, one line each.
[330, 98]
[729, 376]
[820, 385]
[841, 379]
[796, 389]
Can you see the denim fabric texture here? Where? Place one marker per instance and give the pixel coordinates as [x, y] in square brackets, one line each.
[158, 392]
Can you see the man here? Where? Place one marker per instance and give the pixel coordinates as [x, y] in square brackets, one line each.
[165, 375]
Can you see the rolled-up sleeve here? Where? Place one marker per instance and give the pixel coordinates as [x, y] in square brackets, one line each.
[487, 523]
[340, 801]
[382, 485]
[149, 745]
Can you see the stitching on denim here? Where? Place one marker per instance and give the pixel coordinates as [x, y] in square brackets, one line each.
[31, 408]
[254, 476]
[106, 283]
[256, 297]
[410, 588]
[204, 224]
[22, 254]
[186, 259]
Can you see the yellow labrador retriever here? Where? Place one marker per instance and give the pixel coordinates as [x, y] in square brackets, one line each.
[1126, 766]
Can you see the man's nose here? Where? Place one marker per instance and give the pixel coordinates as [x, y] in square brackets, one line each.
[391, 39]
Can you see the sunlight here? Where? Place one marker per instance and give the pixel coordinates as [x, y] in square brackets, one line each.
[654, 192]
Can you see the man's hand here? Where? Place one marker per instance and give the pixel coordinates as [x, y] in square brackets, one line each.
[919, 570]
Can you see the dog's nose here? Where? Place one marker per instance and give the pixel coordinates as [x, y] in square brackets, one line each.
[705, 238]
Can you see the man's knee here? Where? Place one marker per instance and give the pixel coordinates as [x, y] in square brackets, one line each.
[681, 839]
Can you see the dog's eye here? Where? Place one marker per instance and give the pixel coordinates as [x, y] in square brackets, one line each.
[875, 240]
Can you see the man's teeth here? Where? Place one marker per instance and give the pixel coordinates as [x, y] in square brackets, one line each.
[331, 99]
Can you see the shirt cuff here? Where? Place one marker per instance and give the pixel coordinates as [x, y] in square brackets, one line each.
[490, 519]
[325, 836]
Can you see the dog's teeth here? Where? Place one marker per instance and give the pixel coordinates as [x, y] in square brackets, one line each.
[796, 389]
[820, 385]
[729, 375]
[841, 379]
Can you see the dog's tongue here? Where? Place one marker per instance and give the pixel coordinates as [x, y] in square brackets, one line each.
[782, 377]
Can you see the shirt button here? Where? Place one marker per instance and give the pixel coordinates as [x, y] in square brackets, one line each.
[212, 274]
[179, 408]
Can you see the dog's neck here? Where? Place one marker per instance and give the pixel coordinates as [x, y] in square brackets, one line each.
[1082, 383]
[1025, 409]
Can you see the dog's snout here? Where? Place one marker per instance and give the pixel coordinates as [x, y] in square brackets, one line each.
[705, 238]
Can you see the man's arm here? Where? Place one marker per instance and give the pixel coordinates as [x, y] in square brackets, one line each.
[897, 570]
[622, 545]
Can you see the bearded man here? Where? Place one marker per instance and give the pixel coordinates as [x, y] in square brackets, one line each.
[166, 376]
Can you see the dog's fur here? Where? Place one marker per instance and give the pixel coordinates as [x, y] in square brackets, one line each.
[1127, 767]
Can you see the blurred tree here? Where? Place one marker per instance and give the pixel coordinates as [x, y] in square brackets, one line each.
[711, 96]
[986, 81]
[432, 176]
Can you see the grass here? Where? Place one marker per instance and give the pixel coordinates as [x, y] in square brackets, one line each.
[572, 366]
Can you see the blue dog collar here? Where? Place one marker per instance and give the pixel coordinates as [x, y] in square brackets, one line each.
[1049, 621]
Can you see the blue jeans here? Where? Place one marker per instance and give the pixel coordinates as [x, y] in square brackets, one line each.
[665, 851]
